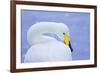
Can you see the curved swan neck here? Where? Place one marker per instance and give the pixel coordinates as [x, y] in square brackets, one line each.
[35, 33]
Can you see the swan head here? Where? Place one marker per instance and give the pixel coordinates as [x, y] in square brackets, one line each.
[35, 32]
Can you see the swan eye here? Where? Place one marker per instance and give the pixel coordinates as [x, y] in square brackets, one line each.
[63, 33]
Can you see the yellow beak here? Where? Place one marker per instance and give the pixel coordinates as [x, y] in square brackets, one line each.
[66, 39]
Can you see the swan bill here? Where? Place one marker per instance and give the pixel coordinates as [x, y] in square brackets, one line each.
[67, 41]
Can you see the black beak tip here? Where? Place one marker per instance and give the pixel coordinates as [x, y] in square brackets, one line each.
[70, 47]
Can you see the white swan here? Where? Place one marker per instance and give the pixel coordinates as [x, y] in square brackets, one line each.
[45, 48]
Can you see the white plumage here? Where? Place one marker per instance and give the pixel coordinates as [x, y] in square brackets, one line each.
[45, 48]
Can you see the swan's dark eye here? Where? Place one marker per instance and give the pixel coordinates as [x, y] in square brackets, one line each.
[63, 33]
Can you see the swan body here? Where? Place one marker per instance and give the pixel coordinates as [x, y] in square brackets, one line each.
[45, 48]
[52, 51]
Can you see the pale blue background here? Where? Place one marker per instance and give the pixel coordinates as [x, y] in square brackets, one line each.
[78, 23]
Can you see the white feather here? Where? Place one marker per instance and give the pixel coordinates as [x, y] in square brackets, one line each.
[50, 51]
